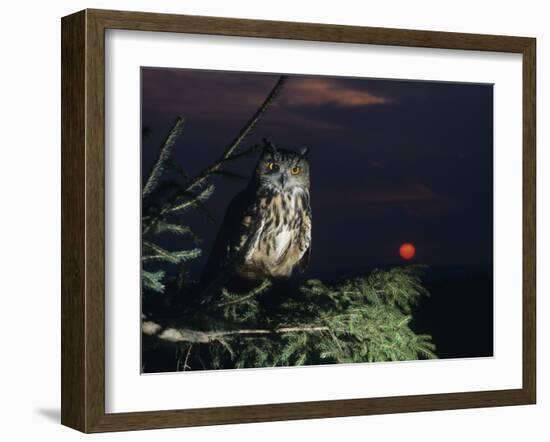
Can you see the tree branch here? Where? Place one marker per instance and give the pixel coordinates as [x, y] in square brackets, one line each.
[173, 334]
[164, 154]
[263, 286]
[228, 155]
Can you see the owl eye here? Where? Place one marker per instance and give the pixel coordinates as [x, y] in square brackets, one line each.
[273, 167]
[295, 170]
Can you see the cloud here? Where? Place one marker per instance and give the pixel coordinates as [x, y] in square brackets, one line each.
[320, 91]
[220, 93]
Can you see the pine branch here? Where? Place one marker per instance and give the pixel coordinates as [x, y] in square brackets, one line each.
[153, 281]
[164, 154]
[161, 254]
[232, 298]
[176, 229]
[202, 196]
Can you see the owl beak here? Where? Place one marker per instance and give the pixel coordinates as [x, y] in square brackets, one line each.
[283, 179]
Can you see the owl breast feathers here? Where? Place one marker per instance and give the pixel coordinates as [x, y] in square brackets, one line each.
[266, 231]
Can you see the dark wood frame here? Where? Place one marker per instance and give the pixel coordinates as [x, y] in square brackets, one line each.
[83, 216]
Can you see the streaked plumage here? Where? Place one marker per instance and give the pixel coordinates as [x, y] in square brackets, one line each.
[266, 232]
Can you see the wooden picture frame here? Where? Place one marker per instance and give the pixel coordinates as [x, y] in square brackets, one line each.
[83, 217]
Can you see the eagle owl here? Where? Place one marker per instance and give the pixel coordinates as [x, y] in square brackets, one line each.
[266, 231]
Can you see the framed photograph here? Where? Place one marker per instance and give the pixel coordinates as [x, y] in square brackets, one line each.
[268, 220]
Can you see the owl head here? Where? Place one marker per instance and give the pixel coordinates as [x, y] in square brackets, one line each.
[282, 170]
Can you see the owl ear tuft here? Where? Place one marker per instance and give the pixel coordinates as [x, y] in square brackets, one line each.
[304, 151]
[269, 146]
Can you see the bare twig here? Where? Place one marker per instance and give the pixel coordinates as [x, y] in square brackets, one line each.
[185, 364]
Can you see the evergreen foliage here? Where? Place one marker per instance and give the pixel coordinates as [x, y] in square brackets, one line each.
[164, 155]
[366, 319]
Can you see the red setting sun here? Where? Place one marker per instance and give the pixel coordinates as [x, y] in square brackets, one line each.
[407, 251]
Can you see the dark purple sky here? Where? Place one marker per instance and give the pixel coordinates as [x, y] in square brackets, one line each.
[391, 161]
